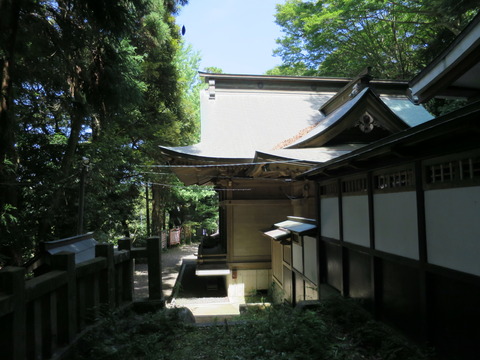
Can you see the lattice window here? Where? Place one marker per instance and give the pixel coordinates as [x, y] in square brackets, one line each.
[470, 168]
[457, 170]
[354, 185]
[444, 172]
[329, 189]
[395, 179]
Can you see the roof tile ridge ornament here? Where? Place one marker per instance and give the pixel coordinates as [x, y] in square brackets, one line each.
[211, 89]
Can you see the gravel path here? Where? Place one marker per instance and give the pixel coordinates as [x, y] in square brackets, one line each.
[171, 263]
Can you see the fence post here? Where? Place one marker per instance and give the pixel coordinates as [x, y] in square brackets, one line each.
[154, 256]
[13, 337]
[128, 269]
[107, 277]
[67, 303]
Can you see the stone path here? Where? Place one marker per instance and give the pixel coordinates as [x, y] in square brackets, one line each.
[205, 310]
[171, 264]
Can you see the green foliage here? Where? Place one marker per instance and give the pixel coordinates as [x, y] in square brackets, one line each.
[100, 79]
[342, 37]
[132, 336]
[336, 329]
[440, 107]
[195, 205]
[213, 70]
[7, 217]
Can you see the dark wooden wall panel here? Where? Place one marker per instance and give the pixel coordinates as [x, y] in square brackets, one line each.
[400, 297]
[360, 277]
[455, 317]
[334, 265]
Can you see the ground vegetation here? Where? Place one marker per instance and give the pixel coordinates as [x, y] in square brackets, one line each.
[336, 329]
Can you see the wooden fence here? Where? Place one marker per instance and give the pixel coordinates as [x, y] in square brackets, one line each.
[41, 317]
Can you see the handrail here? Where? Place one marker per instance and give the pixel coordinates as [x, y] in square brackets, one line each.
[42, 316]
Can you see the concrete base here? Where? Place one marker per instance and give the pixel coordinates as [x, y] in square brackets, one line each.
[207, 313]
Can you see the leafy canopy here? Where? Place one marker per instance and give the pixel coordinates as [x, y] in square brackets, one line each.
[342, 37]
[100, 79]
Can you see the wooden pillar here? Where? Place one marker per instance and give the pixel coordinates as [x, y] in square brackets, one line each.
[38, 329]
[13, 335]
[128, 269]
[52, 344]
[95, 296]
[425, 301]
[154, 256]
[375, 263]
[107, 276]
[118, 273]
[318, 235]
[147, 209]
[67, 303]
[82, 303]
[345, 289]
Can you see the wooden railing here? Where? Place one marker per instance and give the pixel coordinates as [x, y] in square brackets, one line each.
[41, 317]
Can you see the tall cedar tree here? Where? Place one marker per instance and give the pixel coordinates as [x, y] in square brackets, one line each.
[77, 82]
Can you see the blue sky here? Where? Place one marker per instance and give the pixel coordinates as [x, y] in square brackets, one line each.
[237, 36]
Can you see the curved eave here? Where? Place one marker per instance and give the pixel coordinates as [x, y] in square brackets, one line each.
[456, 131]
[176, 155]
[346, 115]
[276, 166]
[453, 73]
[194, 169]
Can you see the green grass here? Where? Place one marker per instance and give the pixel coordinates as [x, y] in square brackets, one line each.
[336, 329]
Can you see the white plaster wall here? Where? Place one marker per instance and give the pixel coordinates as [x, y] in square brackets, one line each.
[297, 257]
[310, 251]
[396, 228]
[277, 260]
[355, 220]
[453, 228]
[329, 218]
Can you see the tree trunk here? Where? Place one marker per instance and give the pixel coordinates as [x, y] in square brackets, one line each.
[157, 211]
[77, 116]
[9, 19]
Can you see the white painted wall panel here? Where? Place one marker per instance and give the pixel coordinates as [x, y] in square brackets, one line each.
[277, 261]
[297, 257]
[453, 228]
[396, 229]
[329, 218]
[355, 220]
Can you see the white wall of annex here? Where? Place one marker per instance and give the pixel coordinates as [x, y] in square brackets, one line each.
[453, 228]
[329, 218]
[310, 255]
[297, 256]
[396, 228]
[355, 220]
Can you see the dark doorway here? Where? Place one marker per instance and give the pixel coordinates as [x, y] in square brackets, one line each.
[193, 286]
